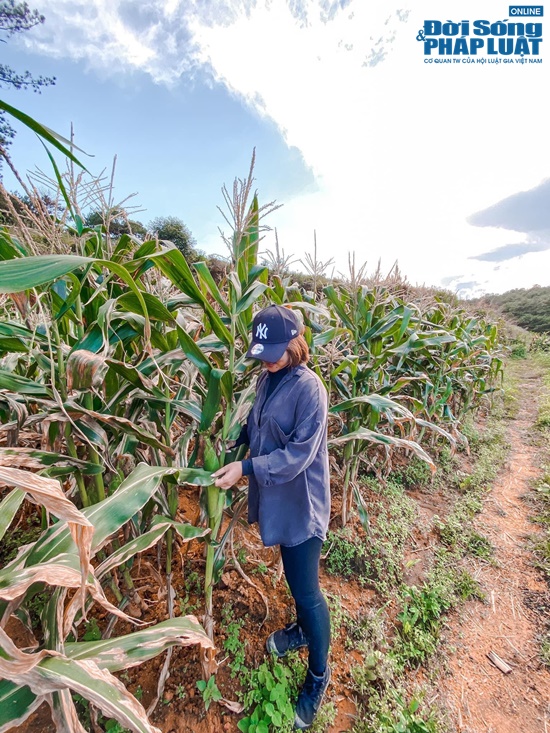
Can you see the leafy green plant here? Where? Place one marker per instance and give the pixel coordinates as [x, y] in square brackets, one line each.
[232, 643]
[209, 691]
[345, 556]
[406, 719]
[268, 695]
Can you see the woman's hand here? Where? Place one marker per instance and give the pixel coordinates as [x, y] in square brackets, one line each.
[227, 476]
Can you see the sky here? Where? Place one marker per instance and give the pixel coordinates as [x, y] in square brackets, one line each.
[442, 167]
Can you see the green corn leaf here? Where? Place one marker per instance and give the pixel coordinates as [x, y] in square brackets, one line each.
[59, 180]
[10, 248]
[17, 702]
[379, 403]
[24, 273]
[31, 458]
[174, 266]
[155, 308]
[212, 404]
[143, 542]
[13, 345]
[382, 328]
[133, 376]
[22, 385]
[194, 353]
[373, 437]
[119, 423]
[8, 509]
[248, 299]
[209, 283]
[107, 517]
[44, 132]
[326, 336]
[8, 329]
[127, 651]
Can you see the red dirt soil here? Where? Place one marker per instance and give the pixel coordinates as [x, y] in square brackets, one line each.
[480, 698]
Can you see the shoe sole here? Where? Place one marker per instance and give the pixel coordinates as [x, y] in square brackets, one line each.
[297, 718]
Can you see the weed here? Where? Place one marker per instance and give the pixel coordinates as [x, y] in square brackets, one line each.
[338, 616]
[479, 546]
[390, 712]
[193, 591]
[270, 689]
[406, 720]
[93, 632]
[545, 650]
[416, 474]
[113, 726]
[420, 624]
[232, 643]
[13, 540]
[518, 349]
[325, 718]
[346, 557]
[260, 569]
[181, 694]
[209, 691]
[378, 559]
[242, 556]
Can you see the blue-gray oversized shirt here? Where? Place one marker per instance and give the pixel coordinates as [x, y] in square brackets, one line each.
[289, 493]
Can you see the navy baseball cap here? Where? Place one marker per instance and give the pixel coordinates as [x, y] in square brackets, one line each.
[272, 329]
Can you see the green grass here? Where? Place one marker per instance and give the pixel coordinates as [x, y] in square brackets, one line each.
[376, 561]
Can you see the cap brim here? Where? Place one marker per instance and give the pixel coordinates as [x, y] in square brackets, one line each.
[266, 352]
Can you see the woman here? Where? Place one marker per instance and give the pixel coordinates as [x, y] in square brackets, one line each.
[289, 491]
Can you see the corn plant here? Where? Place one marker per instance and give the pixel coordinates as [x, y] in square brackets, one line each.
[61, 559]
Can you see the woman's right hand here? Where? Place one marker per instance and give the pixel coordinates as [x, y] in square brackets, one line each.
[227, 476]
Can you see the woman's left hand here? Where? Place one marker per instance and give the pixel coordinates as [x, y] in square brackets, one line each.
[227, 476]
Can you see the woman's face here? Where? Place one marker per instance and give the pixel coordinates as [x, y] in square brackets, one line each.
[283, 362]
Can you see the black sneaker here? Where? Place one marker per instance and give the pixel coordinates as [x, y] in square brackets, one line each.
[286, 640]
[310, 699]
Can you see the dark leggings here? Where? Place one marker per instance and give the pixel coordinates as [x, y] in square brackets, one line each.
[301, 564]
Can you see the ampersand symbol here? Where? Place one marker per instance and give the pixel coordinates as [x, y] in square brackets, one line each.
[420, 36]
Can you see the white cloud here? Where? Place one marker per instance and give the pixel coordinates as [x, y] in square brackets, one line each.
[402, 151]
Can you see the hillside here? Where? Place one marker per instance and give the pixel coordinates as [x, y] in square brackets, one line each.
[529, 308]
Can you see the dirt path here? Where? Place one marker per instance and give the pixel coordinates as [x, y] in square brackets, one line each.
[480, 698]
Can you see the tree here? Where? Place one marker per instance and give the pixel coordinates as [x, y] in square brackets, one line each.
[174, 230]
[16, 17]
[117, 222]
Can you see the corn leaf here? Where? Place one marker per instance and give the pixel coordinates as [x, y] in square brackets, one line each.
[128, 651]
[389, 440]
[17, 702]
[44, 132]
[30, 272]
[22, 385]
[107, 517]
[8, 509]
[382, 404]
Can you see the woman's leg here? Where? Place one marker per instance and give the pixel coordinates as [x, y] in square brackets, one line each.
[301, 564]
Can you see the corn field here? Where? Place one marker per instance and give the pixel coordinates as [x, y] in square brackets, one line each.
[123, 382]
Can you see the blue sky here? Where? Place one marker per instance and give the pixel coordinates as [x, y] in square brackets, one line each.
[380, 153]
[175, 146]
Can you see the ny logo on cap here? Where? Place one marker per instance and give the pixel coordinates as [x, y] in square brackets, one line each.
[261, 331]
